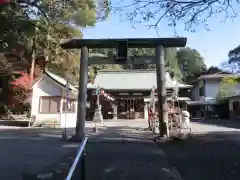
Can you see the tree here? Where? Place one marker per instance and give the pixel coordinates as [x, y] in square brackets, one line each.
[227, 88]
[183, 64]
[38, 25]
[42, 23]
[191, 13]
[230, 67]
[234, 60]
[15, 26]
[234, 54]
[64, 25]
[171, 59]
[191, 62]
[172, 65]
[213, 70]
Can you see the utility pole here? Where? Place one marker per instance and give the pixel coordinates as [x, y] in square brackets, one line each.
[33, 60]
[66, 108]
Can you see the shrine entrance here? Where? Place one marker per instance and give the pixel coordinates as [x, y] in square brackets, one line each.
[130, 108]
[122, 58]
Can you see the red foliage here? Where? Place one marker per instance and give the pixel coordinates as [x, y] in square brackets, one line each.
[20, 89]
[3, 2]
[23, 82]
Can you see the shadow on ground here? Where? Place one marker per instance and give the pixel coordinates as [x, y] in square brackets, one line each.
[30, 152]
[116, 160]
[212, 156]
[219, 122]
[25, 152]
[120, 152]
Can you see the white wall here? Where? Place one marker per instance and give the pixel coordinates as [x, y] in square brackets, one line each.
[211, 89]
[68, 120]
[47, 87]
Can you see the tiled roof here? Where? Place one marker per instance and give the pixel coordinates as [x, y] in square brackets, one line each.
[59, 80]
[216, 76]
[132, 79]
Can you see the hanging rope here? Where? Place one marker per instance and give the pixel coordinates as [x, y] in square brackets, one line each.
[174, 115]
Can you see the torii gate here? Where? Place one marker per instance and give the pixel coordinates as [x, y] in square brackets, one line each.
[122, 57]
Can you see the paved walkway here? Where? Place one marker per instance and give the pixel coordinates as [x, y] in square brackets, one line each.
[141, 160]
[128, 130]
[124, 150]
[114, 160]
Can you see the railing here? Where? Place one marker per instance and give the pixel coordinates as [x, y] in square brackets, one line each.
[78, 168]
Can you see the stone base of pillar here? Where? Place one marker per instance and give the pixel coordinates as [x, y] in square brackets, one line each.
[95, 128]
[114, 111]
[64, 136]
[114, 117]
[98, 115]
[155, 126]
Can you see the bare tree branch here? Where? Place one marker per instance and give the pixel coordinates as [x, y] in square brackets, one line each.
[192, 12]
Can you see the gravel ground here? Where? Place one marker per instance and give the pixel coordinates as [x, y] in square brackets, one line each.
[212, 153]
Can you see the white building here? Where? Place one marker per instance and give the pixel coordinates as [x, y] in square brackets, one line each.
[206, 87]
[204, 93]
[49, 102]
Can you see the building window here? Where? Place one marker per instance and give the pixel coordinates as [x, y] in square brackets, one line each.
[49, 104]
[69, 106]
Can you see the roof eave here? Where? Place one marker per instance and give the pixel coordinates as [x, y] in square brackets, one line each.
[50, 77]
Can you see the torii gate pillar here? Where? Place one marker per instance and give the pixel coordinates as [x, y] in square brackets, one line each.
[161, 91]
[82, 94]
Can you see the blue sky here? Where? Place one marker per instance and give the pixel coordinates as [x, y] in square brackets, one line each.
[213, 45]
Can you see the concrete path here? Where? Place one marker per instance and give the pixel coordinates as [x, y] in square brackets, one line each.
[114, 160]
[123, 150]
